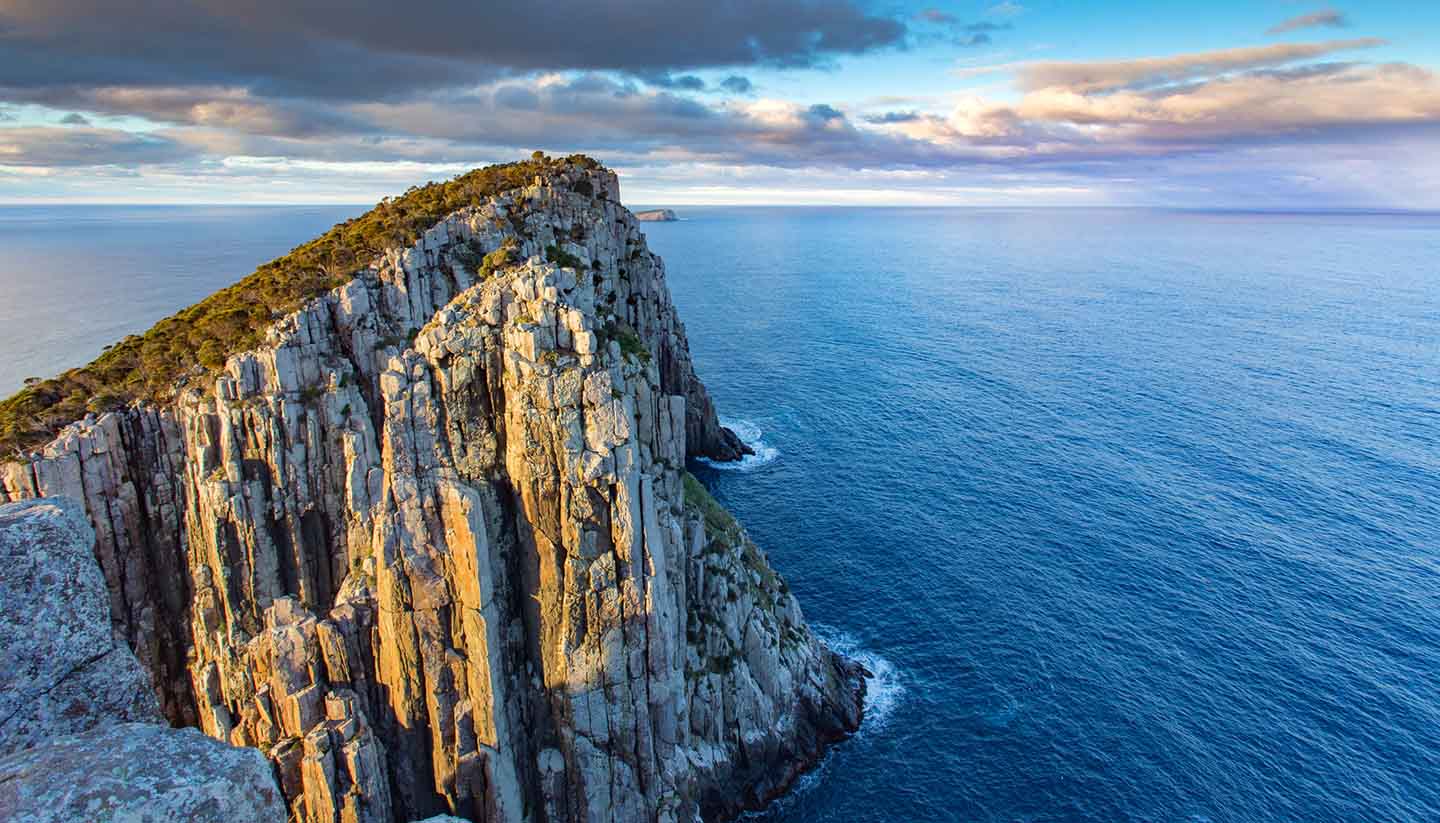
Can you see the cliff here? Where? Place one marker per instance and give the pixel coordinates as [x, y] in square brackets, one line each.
[431, 546]
[656, 216]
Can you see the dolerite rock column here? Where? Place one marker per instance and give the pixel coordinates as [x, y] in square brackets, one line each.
[438, 548]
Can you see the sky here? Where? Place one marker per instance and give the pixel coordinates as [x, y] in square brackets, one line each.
[1260, 104]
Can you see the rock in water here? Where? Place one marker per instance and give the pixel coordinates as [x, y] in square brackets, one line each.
[433, 548]
[656, 216]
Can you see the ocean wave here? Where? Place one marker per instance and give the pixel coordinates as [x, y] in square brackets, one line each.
[751, 435]
[884, 688]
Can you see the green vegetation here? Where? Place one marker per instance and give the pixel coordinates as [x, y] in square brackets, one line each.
[147, 366]
[500, 258]
[718, 522]
[562, 258]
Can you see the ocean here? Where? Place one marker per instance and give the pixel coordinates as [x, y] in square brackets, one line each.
[1134, 515]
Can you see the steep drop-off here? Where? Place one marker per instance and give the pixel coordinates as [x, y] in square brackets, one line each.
[432, 546]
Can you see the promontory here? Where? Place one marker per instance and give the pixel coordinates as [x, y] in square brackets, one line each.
[408, 512]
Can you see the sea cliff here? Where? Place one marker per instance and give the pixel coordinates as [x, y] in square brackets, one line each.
[431, 546]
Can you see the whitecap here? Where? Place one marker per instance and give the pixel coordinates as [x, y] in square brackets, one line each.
[884, 688]
[751, 435]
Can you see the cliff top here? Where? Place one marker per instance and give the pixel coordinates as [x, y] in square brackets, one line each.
[147, 366]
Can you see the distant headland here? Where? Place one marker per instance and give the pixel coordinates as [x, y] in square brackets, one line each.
[656, 216]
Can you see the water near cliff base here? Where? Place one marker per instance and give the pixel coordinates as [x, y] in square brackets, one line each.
[1135, 515]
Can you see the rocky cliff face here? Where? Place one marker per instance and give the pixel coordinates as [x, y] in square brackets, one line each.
[433, 548]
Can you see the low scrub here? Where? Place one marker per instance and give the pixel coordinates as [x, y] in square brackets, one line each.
[147, 366]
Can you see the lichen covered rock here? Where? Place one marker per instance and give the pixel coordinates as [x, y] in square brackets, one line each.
[138, 773]
[64, 670]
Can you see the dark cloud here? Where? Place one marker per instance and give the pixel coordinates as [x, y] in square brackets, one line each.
[375, 49]
[1325, 18]
[666, 80]
[825, 113]
[517, 98]
[75, 119]
[736, 84]
[53, 146]
[890, 118]
[956, 33]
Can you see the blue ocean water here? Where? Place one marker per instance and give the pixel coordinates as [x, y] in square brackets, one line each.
[1139, 511]
[1134, 514]
[77, 278]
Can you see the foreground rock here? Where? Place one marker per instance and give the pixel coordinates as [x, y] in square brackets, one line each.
[64, 670]
[434, 550]
[69, 691]
[656, 216]
[137, 773]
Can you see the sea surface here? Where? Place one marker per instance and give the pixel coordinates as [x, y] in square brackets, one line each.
[1134, 515]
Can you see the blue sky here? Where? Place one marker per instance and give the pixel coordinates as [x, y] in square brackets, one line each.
[1270, 103]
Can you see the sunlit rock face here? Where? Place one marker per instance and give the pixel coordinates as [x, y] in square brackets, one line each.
[434, 551]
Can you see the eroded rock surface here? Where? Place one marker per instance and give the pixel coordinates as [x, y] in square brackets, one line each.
[138, 773]
[63, 669]
[434, 550]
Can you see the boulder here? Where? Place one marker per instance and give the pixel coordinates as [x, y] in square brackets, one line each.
[65, 672]
[138, 773]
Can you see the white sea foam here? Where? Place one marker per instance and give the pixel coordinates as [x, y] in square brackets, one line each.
[751, 435]
[884, 689]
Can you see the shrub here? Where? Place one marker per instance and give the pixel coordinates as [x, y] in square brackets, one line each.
[562, 258]
[631, 345]
[500, 258]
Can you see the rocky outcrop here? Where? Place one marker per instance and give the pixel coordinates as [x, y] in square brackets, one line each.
[433, 547]
[656, 216]
[136, 773]
[64, 670]
[69, 693]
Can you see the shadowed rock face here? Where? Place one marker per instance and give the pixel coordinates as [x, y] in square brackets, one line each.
[431, 547]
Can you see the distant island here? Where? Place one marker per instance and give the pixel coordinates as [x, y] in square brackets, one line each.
[656, 216]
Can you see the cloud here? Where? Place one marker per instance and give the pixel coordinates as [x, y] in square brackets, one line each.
[736, 84]
[892, 117]
[213, 106]
[47, 146]
[964, 35]
[1313, 20]
[1250, 106]
[373, 49]
[75, 119]
[1005, 8]
[1146, 72]
[666, 80]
